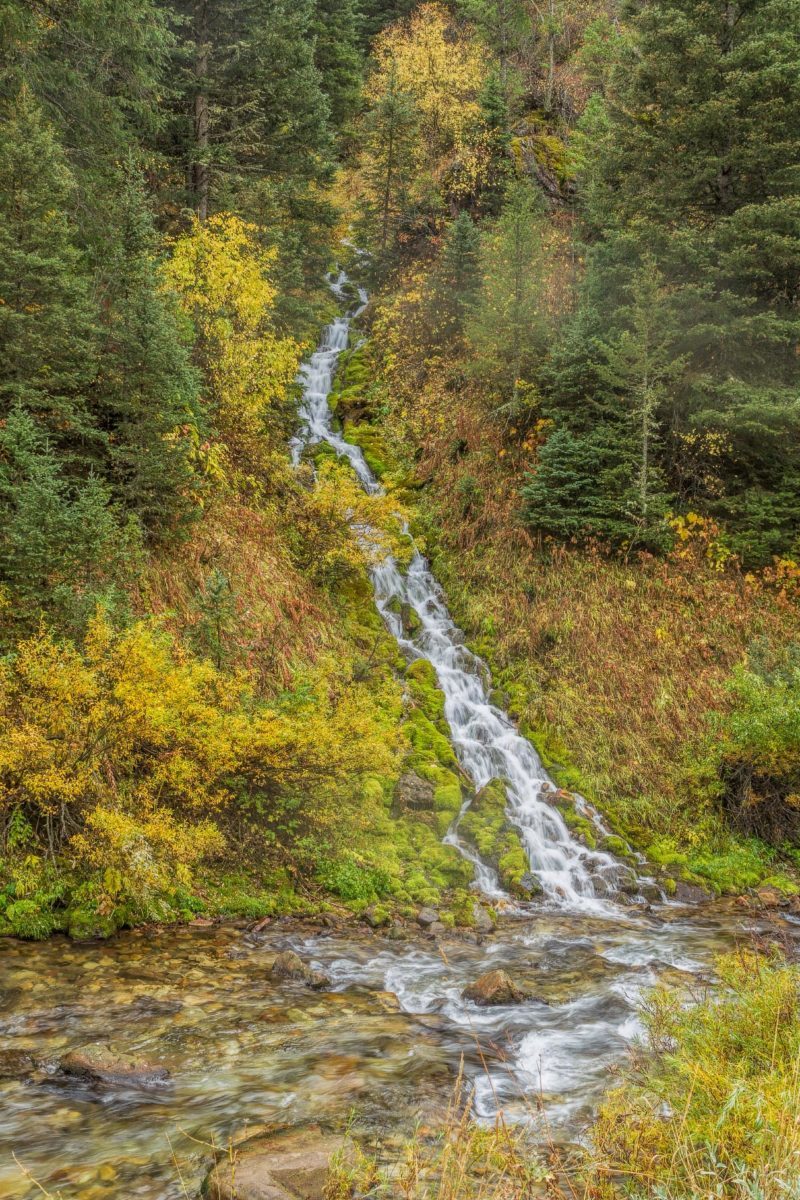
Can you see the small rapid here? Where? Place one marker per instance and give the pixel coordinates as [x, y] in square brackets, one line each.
[485, 740]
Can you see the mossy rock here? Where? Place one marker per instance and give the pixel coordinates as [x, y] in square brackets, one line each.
[424, 690]
[30, 920]
[428, 743]
[579, 826]
[370, 442]
[486, 826]
[87, 925]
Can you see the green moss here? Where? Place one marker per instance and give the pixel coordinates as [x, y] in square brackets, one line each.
[424, 690]
[486, 826]
[581, 826]
[85, 924]
[428, 743]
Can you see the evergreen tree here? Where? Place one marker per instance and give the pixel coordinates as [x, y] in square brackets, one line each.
[388, 158]
[507, 325]
[456, 279]
[61, 545]
[338, 57]
[47, 334]
[697, 169]
[147, 392]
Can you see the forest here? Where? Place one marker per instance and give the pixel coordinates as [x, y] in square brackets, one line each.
[561, 240]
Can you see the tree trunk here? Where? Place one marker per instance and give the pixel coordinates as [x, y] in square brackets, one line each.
[200, 174]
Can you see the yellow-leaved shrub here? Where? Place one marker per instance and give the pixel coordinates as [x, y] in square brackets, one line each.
[222, 274]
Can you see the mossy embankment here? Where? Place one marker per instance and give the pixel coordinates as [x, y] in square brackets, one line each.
[616, 669]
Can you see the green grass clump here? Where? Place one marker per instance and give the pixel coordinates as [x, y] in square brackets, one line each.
[710, 1110]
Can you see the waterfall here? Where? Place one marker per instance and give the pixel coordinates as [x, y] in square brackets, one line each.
[486, 742]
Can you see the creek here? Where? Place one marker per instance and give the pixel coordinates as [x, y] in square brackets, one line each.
[384, 1041]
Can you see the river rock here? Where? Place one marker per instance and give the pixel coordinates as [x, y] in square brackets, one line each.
[100, 1063]
[17, 1064]
[427, 917]
[376, 916]
[289, 965]
[495, 987]
[291, 1166]
[481, 919]
[412, 793]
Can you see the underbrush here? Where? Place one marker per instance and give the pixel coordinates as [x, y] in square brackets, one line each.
[709, 1109]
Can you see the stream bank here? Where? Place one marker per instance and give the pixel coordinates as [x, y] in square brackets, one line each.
[377, 1049]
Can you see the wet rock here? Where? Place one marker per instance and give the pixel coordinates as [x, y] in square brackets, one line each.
[292, 1166]
[413, 793]
[437, 929]
[409, 620]
[650, 891]
[770, 897]
[481, 919]
[17, 1064]
[427, 917]
[288, 965]
[101, 1064]
[495, 987]
[376, 916]
[530, 884]
[690, 893]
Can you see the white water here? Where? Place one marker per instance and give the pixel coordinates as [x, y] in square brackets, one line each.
[487, 744]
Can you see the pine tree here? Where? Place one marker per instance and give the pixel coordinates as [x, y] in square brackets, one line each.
[147, 392]
[507, 326]
[456, 279]
[47, 333]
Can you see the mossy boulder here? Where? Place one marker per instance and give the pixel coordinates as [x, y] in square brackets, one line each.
[486, 826]
[88, 925]
[423, 688]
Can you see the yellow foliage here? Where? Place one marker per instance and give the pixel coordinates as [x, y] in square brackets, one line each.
[120, 753]
[344, 528]
[222, 276]
[442, 68]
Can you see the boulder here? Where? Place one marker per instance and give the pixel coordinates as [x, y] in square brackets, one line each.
[377, 916]
[293, 1166]
[427, 917]
[288, 965]
[102, 1065]
[495, 987]
[437, 929]
[412, 793]
[481, 919]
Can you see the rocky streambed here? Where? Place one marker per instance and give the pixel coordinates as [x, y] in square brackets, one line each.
[123, 1063]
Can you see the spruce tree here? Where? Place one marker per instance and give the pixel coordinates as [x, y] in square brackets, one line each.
[697, 169]
[338, 57]
[456, 279]
[47, 330]
[507, 325]
[147, 391]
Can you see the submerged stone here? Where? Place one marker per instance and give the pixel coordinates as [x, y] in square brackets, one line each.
[288, 965]
[100, 1063]
[294, 1166]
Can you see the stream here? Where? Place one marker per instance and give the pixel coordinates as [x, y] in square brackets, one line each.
[383, 1042]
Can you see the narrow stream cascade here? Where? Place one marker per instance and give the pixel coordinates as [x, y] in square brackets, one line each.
[484, 738]
[379, 1046]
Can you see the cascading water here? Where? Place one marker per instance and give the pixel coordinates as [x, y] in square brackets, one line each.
[487, 744]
